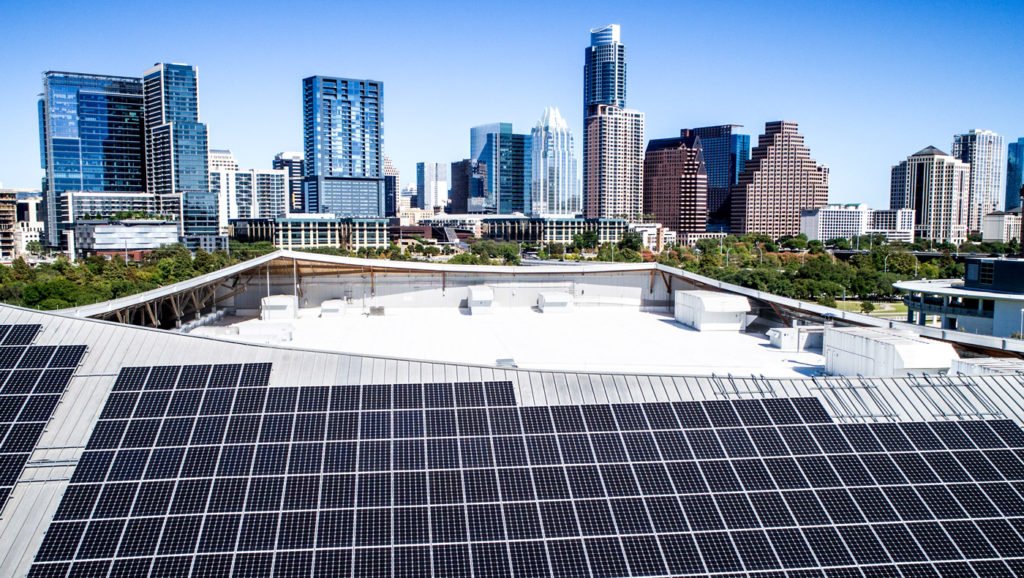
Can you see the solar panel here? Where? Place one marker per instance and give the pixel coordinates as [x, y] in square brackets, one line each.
[32, 380]
[208, 470]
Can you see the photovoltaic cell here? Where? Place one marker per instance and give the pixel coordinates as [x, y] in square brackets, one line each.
[210, 471]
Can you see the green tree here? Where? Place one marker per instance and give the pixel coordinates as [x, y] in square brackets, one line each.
[866, 307]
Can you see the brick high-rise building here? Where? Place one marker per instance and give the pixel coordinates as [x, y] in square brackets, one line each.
[676, 183]
[780, 180]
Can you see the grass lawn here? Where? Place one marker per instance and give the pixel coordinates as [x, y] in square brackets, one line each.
[888, 309]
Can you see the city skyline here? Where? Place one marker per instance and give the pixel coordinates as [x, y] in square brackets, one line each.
[839, 89]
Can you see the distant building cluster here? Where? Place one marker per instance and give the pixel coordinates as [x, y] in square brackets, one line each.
[120, 148]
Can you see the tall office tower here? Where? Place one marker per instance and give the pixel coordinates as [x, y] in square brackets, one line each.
[613, 175]
[937, 186]
[176, 147]
[604, 69]
[343, 129]
[1014, 174]
[779, 182]
[469, 187]
[555, 184]
[478, 137]
[292, 162]
[508, 157]
[676, 184]
[91, 139]
[726, 154]
[222, 160]
[983, 150]
[392, 184]
[432, 185]
[613, 136]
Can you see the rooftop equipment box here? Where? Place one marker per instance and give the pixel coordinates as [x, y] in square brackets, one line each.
[711, 310]
[876, 352]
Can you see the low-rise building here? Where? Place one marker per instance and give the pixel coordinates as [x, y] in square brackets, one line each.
[856, 220]
[655, 236]
[314, 230]
[552, 229]
[988, 301]
[130, 237]
[8, 220]
[1001, 226]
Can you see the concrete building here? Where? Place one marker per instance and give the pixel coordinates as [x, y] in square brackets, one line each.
[1001, 226]
[779, 182]
[95, 205]
[343, 135]
[293, 163]
[983, 151]
[129, 237]
[8, 223]
[311, 231]
[247, 193]
[432, 185]
[856, 220]
[554, 229]
[222, 160]
[676, 184]
[988, 301]
[613, 175]
[555, 188]
[937, 186]
[28, 226]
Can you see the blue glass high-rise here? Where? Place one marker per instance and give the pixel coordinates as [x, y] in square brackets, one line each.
[91, 139]
[508, 159]
[1014, 174]
[726, 154]
[343, 130]
[177, 147]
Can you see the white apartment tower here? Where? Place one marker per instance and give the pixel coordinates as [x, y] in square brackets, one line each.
[614, 179]
[937, 186]
[983, 150]
[555, 188]
[432, 185]
[246, 193]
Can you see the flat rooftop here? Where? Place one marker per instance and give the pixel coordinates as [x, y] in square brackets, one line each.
[593, 339]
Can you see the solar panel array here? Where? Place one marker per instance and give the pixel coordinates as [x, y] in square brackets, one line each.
[208, 471]
[32, 380]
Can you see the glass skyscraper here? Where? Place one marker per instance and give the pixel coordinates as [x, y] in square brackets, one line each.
[725, 155]
[177, 148]
[983, 150]
[343, 129]
[507, 156]
[91, 139]
[604, 69]
[1014, 174]
[555, 182]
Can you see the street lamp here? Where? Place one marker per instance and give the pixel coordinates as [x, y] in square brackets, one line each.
[727, 251]
[885, 262]
[760, 254]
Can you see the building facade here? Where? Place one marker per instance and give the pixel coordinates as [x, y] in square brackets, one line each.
[247, 193]
[91, 139]
[779, 182]
[8, 223]
[613, 173]
[131, 237]
[555, 187]
[323, 230]
[1014, 174]
[894, 224]
[1001, 226]
[725, 155]
[392, 188]
[856, 220]
[676, 184]
[432, 185]
[555, 229]
[343, 129]
[507, 157]
[937, 187]
[292, 162]
[613, 136]
[983, 151]
[177, 148]
[469, 187]
[478, 137]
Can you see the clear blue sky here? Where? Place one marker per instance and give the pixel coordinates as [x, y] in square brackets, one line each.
[869, 82]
